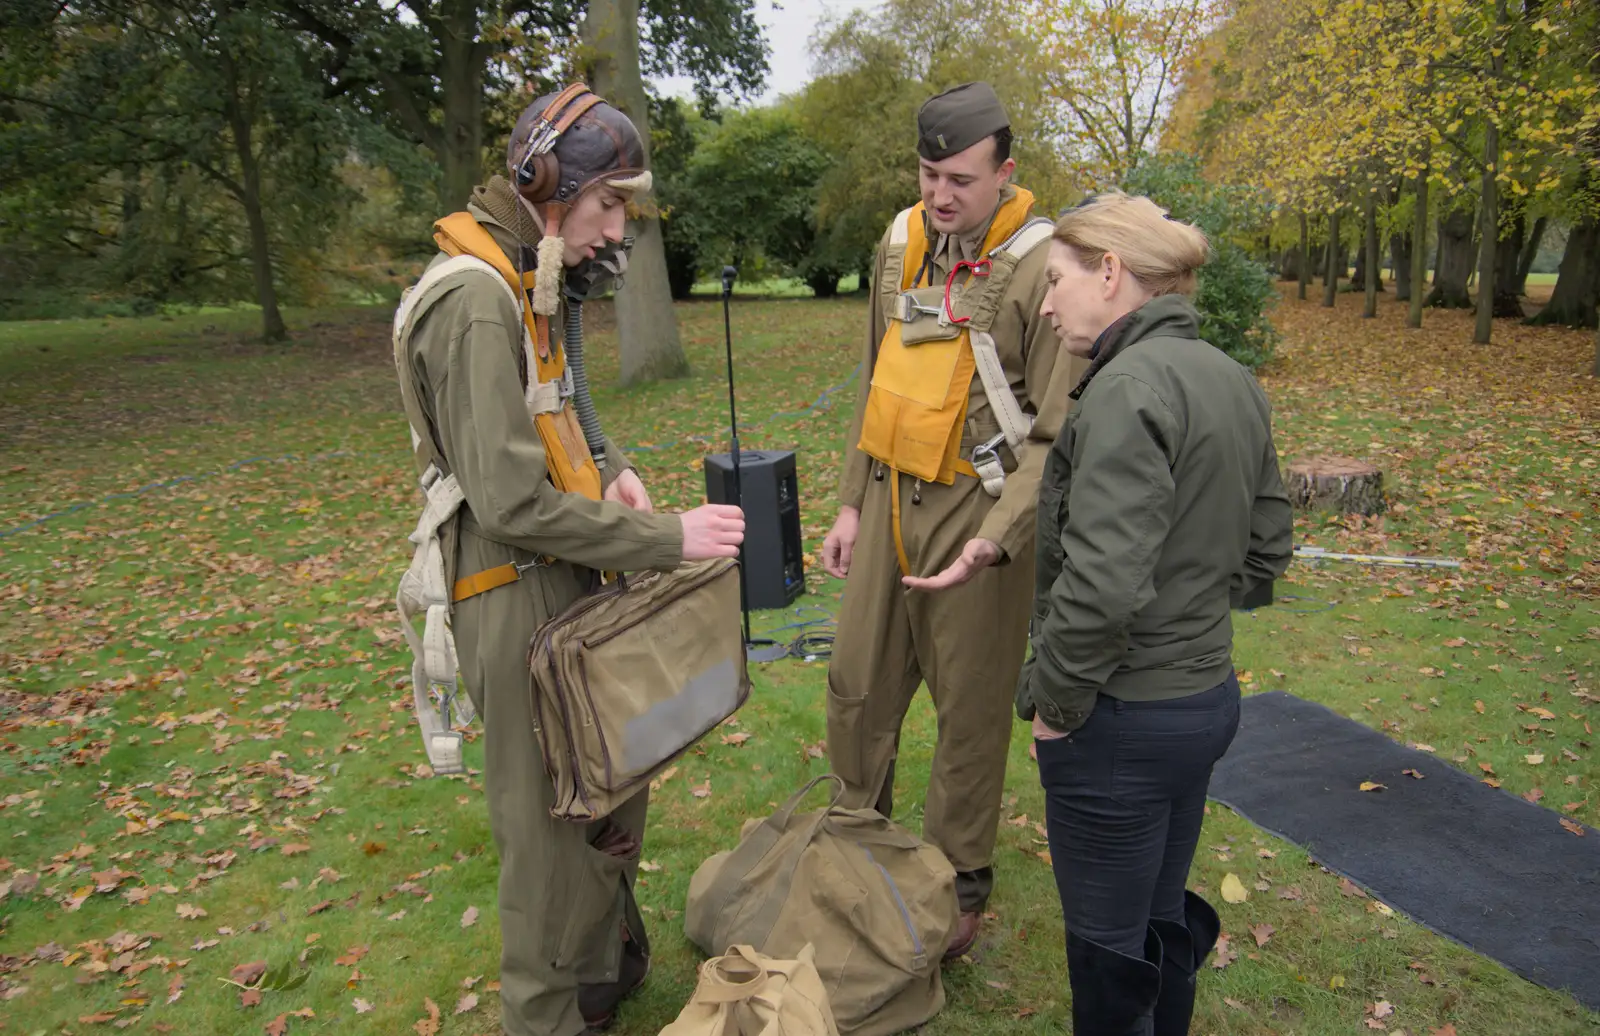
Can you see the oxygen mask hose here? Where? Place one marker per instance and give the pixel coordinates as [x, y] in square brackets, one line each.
[587, 418]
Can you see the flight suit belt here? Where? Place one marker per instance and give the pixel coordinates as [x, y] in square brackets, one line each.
[492, 579]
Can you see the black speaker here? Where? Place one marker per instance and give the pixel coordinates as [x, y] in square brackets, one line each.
[773, 556]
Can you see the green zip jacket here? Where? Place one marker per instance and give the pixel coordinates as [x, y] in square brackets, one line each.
[1160, 502]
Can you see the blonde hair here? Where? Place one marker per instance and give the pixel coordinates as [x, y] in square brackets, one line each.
[1161, 253]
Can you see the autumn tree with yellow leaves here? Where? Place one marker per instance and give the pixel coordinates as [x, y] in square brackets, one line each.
[1481, 114]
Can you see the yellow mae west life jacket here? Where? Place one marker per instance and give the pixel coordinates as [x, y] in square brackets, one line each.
[917, 403]
[936, 341]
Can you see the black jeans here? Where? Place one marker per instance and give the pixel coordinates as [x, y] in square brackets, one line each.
[1125, 795]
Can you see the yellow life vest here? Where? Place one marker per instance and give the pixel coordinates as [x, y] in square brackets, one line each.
[572, 468]
[917, 403]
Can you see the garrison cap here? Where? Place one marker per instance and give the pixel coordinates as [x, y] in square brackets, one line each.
[955, 120]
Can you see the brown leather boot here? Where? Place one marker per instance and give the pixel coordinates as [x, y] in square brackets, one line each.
[598, 1003]
[965, 936]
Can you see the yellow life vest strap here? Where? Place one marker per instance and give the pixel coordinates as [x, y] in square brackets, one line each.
[570, 465]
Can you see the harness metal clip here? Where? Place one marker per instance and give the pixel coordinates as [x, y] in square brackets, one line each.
[988, 450]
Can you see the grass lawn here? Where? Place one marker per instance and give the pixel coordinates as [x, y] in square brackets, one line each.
[208, 759]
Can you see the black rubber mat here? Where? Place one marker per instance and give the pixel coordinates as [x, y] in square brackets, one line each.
[1477, 865]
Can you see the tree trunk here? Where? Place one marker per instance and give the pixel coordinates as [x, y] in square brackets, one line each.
[1507, 253]
[248, 193]
[1374, 280]
[864, 278]
[646, 324]
[1597, 353]
[1330, 276]
[131, 201]
[1304, 272]
[1489, 231]
[1530, 252]
[1419, 250]
[1455, 262]
[1400, 259]
[461, 70]
[1419, 230]
[1290, 263]
[1578, 282]
[823, 284]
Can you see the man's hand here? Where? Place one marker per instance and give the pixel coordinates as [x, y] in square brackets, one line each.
[712, 531]
[840, 544]
[1042, 731]
[627, 489]
[976, 556]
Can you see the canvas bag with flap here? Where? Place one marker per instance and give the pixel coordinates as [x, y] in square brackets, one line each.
[877, 903]
[627, 679]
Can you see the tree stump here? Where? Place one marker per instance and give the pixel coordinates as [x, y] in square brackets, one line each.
[1337, 484]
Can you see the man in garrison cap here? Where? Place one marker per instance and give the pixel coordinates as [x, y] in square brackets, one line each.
[963, 392]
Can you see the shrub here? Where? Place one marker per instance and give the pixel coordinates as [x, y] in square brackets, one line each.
[1234, 289]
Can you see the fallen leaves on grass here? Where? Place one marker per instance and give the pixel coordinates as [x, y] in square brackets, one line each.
[1373, 786]
[428, 1026]
[1262, 932]
[248, 974]
[1224, 954]
[361, 1005]
[467, 1003]
[1576, 829]
[1233, 890]
[469, 917]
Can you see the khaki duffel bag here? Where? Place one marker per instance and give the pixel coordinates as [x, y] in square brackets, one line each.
[627, 679]
[745, 993]
[877, 903]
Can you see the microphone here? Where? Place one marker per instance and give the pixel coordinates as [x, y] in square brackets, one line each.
[728, 274]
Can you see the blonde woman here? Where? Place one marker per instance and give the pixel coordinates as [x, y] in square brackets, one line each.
[1161, 501]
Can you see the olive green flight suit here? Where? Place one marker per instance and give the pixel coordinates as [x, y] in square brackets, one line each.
[563, 903]
[967, 642]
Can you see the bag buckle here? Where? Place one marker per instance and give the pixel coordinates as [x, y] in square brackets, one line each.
[538, 562]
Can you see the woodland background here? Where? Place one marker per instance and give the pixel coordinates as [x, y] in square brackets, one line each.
[155, 156]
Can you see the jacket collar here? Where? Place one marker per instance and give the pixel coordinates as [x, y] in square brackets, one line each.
[1165, 316]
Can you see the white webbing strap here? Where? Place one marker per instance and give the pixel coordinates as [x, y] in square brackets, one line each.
[900, 229]
[1034, 233]
[422, 591]
[1014, 423]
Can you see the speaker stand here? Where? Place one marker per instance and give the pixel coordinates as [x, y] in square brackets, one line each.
[763, 649]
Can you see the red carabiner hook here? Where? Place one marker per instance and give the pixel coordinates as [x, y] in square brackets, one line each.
[981, 268]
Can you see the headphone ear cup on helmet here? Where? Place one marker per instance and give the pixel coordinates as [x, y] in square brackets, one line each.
[546, 173]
